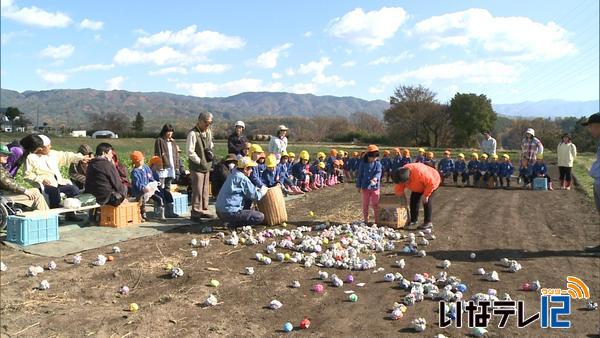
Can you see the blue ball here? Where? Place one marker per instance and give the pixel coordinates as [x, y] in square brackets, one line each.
[288, 327]
[462, 288]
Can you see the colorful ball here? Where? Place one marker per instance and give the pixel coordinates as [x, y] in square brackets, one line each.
[353, 298]
[133, 307]
[288, 327]
[305, 323]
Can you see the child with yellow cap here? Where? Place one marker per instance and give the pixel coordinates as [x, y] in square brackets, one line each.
[460, 169]
[421, 157]
[473, 169]
[493, 172]
[484, 166]
[429, 160]
[506, 171]
[368, 181]
[301, 171]
[270, 177]
[540, 170]
[321, 175]
[445, 167]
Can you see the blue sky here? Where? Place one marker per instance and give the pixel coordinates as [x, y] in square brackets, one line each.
[512, 51]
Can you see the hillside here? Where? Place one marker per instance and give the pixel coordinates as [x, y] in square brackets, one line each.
[75, 105]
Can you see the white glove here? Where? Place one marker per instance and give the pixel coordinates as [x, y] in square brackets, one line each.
[264, 190]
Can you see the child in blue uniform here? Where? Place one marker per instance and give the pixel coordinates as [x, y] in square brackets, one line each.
[421, 157]
[386, 165]
[270, 177]
[428, 160]
[397, 159]
[301, 171]
[506, 171]
[405, 157]
[473, 169]
[460, 169]
[484, 166]
[525, 172]
[493, 172]
[540, 170]
[446, 167]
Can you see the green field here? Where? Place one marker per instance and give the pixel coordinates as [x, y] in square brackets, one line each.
[146, 145]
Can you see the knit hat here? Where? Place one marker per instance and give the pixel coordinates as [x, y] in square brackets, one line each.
[136, 156]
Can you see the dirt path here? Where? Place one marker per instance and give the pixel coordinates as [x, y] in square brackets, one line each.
[544, 231]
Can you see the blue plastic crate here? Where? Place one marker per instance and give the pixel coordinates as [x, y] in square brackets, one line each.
[27, 230]
[540, 183]
[180, 204]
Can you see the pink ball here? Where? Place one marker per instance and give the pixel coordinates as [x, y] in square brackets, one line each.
[349, 279]
[319, 288]
[425, 274]
[526, 287]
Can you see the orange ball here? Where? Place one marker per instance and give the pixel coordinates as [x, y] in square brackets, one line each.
[110, 258]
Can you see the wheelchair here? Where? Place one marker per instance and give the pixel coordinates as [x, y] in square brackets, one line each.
[7, 208]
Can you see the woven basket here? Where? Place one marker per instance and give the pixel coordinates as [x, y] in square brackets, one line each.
[273, 206]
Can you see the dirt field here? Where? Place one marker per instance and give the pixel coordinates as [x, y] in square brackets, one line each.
[544, 231]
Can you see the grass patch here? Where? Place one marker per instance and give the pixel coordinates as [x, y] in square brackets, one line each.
[581, 169]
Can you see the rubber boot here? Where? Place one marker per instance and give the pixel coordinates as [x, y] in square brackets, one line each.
[568, 186]
[562, 185]
[550, 186]
[305, 187]
[169, 213]
[298, 190]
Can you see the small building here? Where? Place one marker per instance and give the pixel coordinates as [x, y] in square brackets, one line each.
[104, 134]
[79, 133]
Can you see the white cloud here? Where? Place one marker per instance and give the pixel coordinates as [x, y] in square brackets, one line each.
[92, 67]
[290, 72]
[276, 76]
[91, 24]
[349, 64]
[376, 90]
[303, 88]
[369, 29]
[269, 58]
[384, 60]
[34, 16]
[199, 42]
[518, 37]
[307, 34]
[168, 70]
[161, 56]
[211, 68]
[51, 77]
[333, 80]
[476, 72]
[210, 89]
[58, 52]
[316, 67]
[115, 83]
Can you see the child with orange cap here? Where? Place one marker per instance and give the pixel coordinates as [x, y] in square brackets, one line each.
[405, 157]
[346, 159]
[331, 179]
[353, 164]
[143, 182]
[386, 166]
[368, 181]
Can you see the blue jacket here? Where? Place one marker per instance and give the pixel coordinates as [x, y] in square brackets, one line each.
[329, 163]
[404, 161]
[446, 165]
[460, 166]
[396, 162]
[288, 167]
[506, 169]
[355, 163]
[484, 166]
[386, 163]
[140, 177]
[420, 159]
[539, 169]
[235, 190]
[283, 171]
[528, 172]
[298, 171]
[271, 178]
[494, 168]
[367, 172]
[430, 163]
[473, 165]
[255, 177]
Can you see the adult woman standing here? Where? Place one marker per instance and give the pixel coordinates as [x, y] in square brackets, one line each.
[531, 146]
[236, 142]
[422, 180]
[279, 143]
[166, 148]
[567, 152]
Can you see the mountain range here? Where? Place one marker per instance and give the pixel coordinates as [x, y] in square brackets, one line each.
[73, 106]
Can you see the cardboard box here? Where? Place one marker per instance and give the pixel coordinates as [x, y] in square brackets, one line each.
[392, 211]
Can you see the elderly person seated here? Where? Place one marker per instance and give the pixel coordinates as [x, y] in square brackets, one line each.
[104, 181]
[77, 171]
[13, 191]
[42, 168]
[236, 189]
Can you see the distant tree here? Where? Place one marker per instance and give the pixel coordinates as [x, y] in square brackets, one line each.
[113, 121]
[470, 114]
[581, 137]
[437, 127]
[409, 113]
[366, 122]
[138, 123]
[12, 113]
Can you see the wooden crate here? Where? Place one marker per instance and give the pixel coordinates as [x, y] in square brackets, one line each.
[124, 215]
[273, 206]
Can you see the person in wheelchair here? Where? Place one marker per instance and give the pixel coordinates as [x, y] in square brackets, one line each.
[15, 193]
